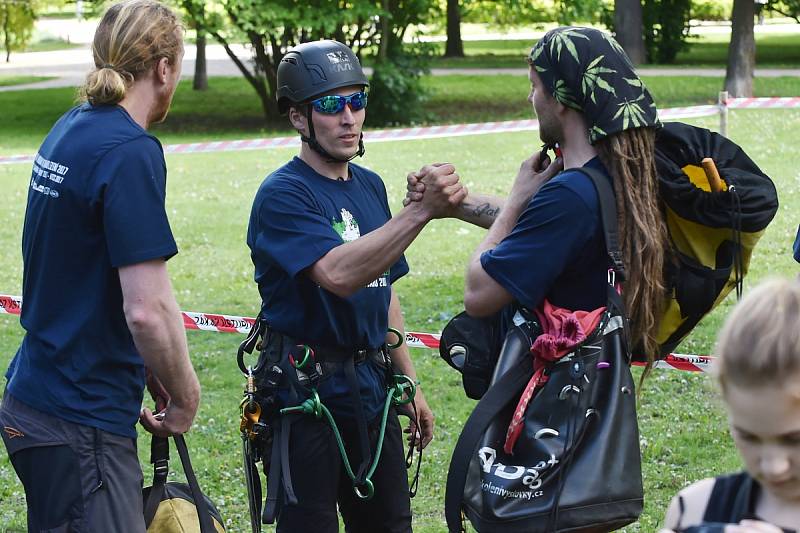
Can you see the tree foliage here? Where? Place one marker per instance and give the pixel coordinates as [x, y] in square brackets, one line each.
[666, 28]
[271, 28]
[787, 8]
[16, 25]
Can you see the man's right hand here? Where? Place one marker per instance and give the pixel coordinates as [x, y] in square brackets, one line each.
[174, 420]
[437, 190]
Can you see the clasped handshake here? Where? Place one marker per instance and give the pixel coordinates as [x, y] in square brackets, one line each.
[437, 190]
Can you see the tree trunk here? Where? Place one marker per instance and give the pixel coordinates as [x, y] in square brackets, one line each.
[6, 31]
[629, 28]
[200, 82]
[454, 46]
[741, 51]
[383, 49]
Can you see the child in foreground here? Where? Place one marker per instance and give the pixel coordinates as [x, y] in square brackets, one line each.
[759, 377]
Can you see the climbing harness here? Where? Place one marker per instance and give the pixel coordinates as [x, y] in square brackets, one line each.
[281, 387]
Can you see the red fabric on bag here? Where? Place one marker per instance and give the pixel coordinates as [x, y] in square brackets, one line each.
[562, 330]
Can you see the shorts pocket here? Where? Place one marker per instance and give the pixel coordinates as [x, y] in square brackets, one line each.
[52, 481]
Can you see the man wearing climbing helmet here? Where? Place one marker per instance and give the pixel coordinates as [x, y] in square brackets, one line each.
[545, 241]
[326, 251]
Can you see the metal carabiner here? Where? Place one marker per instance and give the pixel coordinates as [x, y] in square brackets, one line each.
[400, 339]
[308, 353]
[370, 490]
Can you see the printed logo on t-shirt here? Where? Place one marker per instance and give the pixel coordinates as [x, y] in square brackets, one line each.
[46, 173]
[348, 227]
[349, 231]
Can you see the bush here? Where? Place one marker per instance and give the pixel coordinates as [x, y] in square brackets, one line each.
[718, 10]
[396, 93]
[666, 28]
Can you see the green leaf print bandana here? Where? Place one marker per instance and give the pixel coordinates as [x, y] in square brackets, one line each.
[587, 70]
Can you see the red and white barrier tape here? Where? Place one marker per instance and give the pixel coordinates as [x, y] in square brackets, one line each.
[774, 102]
[453, 130]
[240, 324]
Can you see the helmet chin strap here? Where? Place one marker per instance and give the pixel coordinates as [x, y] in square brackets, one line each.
[314, 144]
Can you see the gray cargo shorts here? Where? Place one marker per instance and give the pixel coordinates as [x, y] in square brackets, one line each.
[77, 478]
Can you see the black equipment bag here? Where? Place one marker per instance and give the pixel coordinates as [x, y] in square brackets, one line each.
[471, 346]
[171, 507]
[577, 465]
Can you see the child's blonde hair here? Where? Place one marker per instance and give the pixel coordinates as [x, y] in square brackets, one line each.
[760, 341]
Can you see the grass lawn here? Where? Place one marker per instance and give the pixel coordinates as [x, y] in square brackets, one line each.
[772, 50]
[683, 429]
[8, 80]
[48, 44]
[230, 108]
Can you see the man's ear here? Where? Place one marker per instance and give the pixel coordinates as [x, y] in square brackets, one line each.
[161, 70]
[298, 120]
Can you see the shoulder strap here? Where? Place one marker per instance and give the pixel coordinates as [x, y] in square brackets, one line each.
[506, 389]
[730, 499]
[608, 213]
[206, 524]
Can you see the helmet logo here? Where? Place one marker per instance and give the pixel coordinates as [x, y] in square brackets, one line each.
[339, 61]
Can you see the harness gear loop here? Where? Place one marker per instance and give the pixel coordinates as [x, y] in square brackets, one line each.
[400, 339]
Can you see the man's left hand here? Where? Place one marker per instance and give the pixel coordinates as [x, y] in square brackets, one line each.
[420, 432]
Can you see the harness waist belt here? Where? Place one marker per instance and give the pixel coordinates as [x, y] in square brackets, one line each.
[332, 354]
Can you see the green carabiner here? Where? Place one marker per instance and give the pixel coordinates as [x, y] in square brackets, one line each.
[370, 490]
[399, 342]
[306, 354]
[403, 385]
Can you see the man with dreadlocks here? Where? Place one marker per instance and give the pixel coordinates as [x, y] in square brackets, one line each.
[545, 241]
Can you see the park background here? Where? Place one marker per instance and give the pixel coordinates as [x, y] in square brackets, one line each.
[684, 51]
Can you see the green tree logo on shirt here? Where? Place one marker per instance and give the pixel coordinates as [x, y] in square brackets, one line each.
[348, 228]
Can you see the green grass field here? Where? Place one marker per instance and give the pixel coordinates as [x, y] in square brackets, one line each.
[772, 50]
[6, 80]
[683, 429]
[231, 110]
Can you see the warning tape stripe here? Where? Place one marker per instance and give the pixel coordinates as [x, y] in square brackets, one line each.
[239, 324]
[455, 130]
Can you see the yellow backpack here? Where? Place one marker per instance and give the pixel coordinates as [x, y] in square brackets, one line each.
[714, 222]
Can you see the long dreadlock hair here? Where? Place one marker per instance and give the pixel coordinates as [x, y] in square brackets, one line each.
[629, 157]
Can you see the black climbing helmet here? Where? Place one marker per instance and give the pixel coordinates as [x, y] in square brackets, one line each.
[312, 69]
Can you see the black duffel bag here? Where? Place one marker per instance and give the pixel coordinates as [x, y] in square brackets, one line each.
[576, 466]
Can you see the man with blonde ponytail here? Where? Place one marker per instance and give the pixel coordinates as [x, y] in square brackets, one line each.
[100, 317]
[545, 241]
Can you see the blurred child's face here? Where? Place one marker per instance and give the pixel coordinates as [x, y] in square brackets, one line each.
[765, 425]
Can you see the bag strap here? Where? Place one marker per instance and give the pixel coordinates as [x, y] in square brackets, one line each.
[506, 389]
[159, 456]
[204, 516]
[608, 213]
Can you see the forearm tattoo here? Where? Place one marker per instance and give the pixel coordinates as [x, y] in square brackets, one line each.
[485, 209]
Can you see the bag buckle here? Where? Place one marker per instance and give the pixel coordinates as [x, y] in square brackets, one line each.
[161, 467]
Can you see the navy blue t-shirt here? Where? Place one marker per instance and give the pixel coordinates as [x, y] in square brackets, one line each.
[557, 248]
[95, 203]
[298, 216]
[797, 246]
